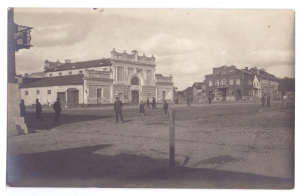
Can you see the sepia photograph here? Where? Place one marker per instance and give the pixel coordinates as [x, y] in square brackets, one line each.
[169, 98]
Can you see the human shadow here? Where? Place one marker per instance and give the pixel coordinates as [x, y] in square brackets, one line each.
[89, 166]
[48, 120]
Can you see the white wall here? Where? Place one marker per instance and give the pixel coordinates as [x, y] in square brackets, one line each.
[46, 98]
[74, 71]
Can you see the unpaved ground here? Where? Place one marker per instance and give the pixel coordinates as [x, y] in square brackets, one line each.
[217, 146]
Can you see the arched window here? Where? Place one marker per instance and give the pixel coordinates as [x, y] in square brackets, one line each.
[135, 81]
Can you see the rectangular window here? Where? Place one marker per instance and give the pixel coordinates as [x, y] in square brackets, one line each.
[164, 94]
[60, 74]
[249, 82]
[224, 82]
[80, 72]
[49, 92]
[149, 77]
[37, 92]
[50, 75]
[104, 69]
[230, 72]
[216, 82]
[238, 81]
[70, 73]
[120, 74]
[210, 83]
[26, 92]
[230, 81]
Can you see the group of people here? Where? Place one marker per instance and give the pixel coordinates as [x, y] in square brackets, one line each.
[38, 111]
[263, 100]
[118, 105]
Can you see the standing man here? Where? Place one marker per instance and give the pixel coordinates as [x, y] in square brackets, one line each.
[284, 100]
[118, 109]
[165, 108]
[209, 99]
[23, 110]
[148, 103]
[57, 109]
[268, 100]
[263, 99]
[38, 110]
[153, 103]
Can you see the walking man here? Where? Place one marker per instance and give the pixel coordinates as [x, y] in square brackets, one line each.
[38, 110]
[165, 108]
[57, 109]
[118, 109]
[263, 99]
[23, 110]
[153, 103]
[268, 100]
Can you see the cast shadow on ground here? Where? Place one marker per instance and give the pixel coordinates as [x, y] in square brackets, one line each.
[87, 167]
[48, 120]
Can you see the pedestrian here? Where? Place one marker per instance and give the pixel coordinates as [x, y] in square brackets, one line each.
[38, 110]
[165, 108]
[23, 110]
[153, 103]
[57, 109]
[188, 101]
[142, 108]
[209, 100]
[284, 98]
[263, 100]
[148, 103]
[268, 101]
[118, 109]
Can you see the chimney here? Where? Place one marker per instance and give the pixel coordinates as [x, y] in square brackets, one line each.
[67, 61]
[57, 63]
[246, 68]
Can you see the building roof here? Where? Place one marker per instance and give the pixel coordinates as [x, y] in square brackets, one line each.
[286, 84]
[55, 81]
[81, 65]
[198, 85]
[263, 74]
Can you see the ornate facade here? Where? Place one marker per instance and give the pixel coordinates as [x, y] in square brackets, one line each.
[130, 77]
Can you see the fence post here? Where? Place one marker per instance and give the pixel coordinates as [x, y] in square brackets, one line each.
[172, 138]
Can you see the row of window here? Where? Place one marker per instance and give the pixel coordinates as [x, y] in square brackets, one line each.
[38, 92]
[223, 72]
[223, 82]
[70, 72]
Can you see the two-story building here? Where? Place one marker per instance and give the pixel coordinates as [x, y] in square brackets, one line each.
[228, 83]
[130, 77]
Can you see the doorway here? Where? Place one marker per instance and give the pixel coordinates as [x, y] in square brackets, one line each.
[135, 97]
[62, 97]
[73, 97]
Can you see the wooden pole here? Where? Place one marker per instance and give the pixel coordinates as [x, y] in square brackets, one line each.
[172, 138]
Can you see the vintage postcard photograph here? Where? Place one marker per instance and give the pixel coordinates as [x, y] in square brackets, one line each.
[151, 98]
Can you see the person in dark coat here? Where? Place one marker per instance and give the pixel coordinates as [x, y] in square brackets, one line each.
[38, 110]
[148, 103]
[165, 108]
[153, 103]
[209, 100]
[268, 101]
[188, 101]
[142, 108]
[23, 110]
[57, 109]
[118, 109]
[263, 100]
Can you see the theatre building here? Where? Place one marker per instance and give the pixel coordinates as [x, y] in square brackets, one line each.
[129, 76]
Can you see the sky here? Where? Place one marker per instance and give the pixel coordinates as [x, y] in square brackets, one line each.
[186, 43]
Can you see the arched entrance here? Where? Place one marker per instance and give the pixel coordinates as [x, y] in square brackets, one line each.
[135, 83]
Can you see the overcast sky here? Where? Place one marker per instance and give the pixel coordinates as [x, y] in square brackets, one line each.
[187, 43]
